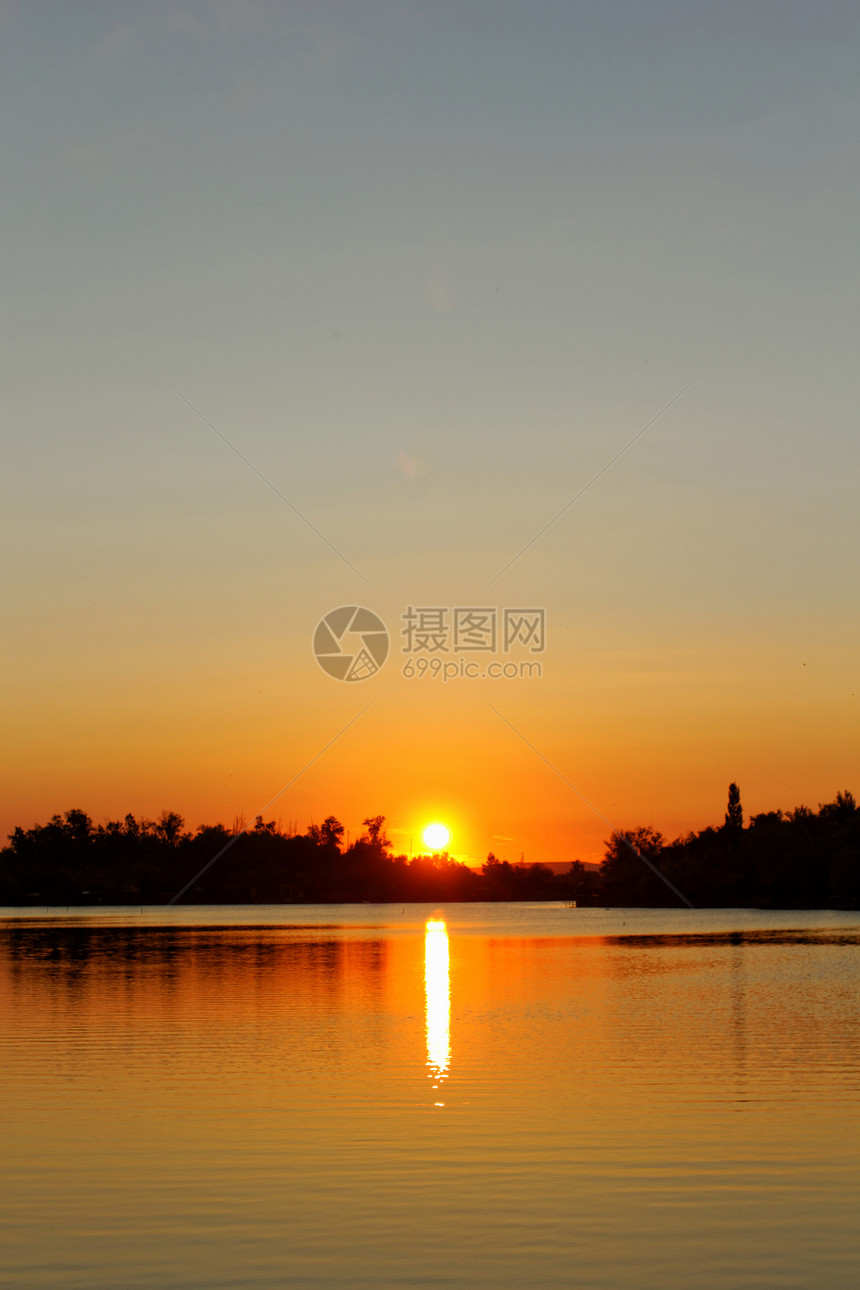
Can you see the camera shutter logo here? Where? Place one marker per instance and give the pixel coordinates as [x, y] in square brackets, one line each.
[351, 643]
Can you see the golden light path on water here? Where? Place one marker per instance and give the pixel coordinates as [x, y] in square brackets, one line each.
[437, 1000]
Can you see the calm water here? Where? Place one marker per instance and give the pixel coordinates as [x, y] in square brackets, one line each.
[482, 1095]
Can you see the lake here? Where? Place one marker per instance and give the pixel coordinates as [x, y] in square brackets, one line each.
[474, 1095]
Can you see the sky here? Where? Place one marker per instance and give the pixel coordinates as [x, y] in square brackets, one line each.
[320, 305]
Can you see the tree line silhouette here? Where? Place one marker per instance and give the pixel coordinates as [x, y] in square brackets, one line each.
[794, 859]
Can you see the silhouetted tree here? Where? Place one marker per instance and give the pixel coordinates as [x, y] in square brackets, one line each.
[581, 884]
[169, 827]
[331, 832]
[626, 879]
[734, 813]
[799, 858]
[375, 835]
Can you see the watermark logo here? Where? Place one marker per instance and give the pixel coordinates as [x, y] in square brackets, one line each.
[351, 643]
[439, 642]
[475, 630]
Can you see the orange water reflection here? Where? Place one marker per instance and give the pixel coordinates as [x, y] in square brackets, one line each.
[437, 1000]
[646, 1106]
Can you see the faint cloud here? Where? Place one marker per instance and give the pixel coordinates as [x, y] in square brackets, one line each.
[411, 466]
[439, 294]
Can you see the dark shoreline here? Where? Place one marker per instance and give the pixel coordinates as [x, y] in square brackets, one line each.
[800, 859]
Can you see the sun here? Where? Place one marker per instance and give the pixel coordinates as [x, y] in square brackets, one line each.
[436, 837]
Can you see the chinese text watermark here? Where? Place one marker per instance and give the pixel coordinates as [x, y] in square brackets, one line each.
[459, 642]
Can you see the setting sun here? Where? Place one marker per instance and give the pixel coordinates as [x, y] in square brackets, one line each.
[436, 837]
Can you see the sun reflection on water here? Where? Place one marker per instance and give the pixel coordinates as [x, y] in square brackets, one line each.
[437, 996]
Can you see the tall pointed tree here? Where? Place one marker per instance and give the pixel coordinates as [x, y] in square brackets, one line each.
[734, 813]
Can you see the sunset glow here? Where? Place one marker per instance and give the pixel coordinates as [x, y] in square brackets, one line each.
[429, 521]
[436, 837]
[430, 812]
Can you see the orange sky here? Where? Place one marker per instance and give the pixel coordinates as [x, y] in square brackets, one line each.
[647, 735]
